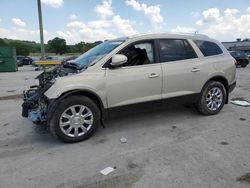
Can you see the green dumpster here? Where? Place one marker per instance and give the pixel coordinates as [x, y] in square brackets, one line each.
[8, 59]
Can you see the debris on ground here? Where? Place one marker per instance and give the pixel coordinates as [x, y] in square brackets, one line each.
[240, 102]
[244, 179]
[243, 119]
[107, 170]
[224, 143]
[11, 91]
[123, 140]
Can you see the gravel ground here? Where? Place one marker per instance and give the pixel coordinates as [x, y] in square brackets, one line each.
[171, 148]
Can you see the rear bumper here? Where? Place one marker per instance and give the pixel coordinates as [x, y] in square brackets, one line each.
[231, 87]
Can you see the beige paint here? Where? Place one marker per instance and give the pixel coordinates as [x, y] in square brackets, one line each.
[133, 84]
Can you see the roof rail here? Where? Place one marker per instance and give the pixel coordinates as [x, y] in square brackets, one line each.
[195, 34]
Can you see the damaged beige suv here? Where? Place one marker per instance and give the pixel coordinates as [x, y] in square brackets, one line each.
[75, 98]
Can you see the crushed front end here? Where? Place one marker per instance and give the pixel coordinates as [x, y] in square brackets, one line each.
[36, 104]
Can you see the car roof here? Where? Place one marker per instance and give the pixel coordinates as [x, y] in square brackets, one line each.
[166, 35]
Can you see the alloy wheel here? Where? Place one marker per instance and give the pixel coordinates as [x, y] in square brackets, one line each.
[214, 98]
[76, 120]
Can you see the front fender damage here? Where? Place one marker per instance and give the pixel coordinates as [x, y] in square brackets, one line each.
[36, 105]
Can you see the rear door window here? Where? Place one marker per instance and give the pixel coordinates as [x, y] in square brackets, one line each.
[208, 48]
[175, 50]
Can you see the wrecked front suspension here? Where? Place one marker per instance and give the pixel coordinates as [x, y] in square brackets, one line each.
[34, 105]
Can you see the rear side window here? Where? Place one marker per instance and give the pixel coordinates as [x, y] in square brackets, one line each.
[175, 50]
[208, 48]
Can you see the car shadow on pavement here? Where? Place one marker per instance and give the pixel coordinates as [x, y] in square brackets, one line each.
[151, 117]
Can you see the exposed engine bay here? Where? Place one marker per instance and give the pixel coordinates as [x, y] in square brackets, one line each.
[35, 105]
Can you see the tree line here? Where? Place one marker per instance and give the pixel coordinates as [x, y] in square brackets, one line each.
[56, 45]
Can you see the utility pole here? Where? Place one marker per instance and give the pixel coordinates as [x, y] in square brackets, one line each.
[41, 28]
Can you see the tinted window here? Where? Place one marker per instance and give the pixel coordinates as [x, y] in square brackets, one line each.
[175, 50]
[190, 53]
[208, 48]
[139, 54]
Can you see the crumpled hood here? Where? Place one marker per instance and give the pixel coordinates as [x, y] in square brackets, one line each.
[48, 76]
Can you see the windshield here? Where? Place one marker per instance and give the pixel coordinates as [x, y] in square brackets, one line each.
[95, 54]
[238, 53]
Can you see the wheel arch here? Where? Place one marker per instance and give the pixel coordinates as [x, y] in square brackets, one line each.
[90, 94]
[223, 81]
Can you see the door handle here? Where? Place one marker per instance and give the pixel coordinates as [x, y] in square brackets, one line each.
[195, 70]
[153, 75]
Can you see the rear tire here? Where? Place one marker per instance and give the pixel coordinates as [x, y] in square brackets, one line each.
[75, 119]
[212, 98]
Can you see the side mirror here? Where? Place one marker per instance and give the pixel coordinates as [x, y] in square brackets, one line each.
[118, 60]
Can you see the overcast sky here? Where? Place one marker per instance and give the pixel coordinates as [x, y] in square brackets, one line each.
[92, 20]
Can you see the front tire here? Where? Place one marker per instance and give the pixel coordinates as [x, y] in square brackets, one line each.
[212, 99]
[75, 119]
